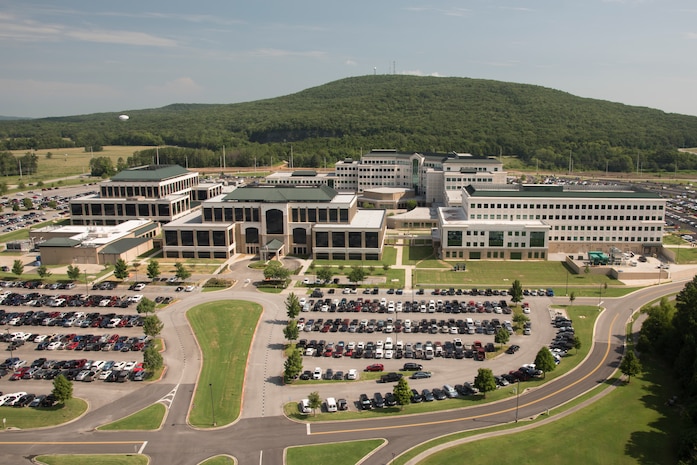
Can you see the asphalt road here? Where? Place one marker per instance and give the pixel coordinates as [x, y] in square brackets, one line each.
[261, 435]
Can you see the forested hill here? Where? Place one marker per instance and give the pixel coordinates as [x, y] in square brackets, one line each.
[408, 113]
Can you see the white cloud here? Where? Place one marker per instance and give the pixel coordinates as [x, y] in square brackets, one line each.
[691, 35]
[418, 72]
[274, 52]
[121, 37]
[350, 62]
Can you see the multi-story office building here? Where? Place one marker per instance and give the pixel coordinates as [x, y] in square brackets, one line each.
[430, 176]
[161, 193]
[531, 221]
[278, 220]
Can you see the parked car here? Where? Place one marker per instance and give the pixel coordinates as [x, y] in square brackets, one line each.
[410, 366]
[365, 402]
[390, 377]
[375, 367]
[420, 375]
[304, 406]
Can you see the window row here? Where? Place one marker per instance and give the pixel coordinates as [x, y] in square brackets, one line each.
[503, 216]
[566, 206]
[607, 228]
[198, 238]
[495, 239]
[134, 210]
[352, 239]
[606, 239]
[319, 215]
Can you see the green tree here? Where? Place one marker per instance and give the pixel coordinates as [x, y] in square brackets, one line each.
[502, 336]
[572, 297]
[18, 267]
[293, 366]
[577, 343]
[121, 164]
[152, 359]
[152, 326]
[516, 292]
[145, 306]
[411, 204]
[62, 389]
[275, 271]
[520, 319]
[101, 167]
[292, 306]
[402, 392]
[315, 401]
[73, 272]
[154, 269]
[484, 381]
[28, 203]
[121, 269]
[357, 274]
[325, 274]
[630, 364]
[181, 271]
[544, 361]
[385, 267]
[43, 272]
[291, 331]
[52, 204]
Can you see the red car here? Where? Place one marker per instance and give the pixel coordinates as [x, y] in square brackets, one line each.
[375, 367]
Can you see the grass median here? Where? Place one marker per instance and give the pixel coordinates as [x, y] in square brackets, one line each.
[150, 418]
[224, 330]
[112, 459]
[338, 453]
[27, 418]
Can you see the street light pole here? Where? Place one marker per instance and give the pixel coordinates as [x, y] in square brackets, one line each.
[210, 385]
[10, 346]
[517, 400]
[567, 281]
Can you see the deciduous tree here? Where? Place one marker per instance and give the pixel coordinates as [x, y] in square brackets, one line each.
[484, 381]
[402, 392]
[292, 306]
[152, 325]
[154, 269]
[62, 389]
[73, 272]
[181, 271]
[152, 359]
[145, 306]
[315, 401]
[17, 267]
[544, 361]
[516, 292]
[291, 331]
[43, 272]
[325, 274]
[120, 269]
[357, 274]
[630, 364]
[292, 366]
[502, 336]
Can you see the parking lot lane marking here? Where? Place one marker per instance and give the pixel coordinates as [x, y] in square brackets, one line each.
[475, 417]
[307, 426]
[142, 448]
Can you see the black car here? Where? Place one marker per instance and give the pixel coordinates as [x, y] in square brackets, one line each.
[513, 349]
[416, 397]
[307, 374]
[364, 402]
[390, 377]
[410, 366]
[378, 400]
[390, 399]
[439, 394]
[341, 404]
[427, 395]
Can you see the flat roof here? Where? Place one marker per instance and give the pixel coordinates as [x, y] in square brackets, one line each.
[418, 213]
[95, 235]
[363, 219]
[124, 245]
[151, 173]
[450, 216]
[552, 191]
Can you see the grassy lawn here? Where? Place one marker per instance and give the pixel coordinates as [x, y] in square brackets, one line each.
[413, 255]
[338, 453]
[601, 432]
[23, 233]
[224, 330]
[219, 460]
[125, 459]
[150, 418]
[27, 418]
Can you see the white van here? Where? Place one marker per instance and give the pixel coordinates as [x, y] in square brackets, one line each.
[304, 406]
[331, 404]
[388, 343]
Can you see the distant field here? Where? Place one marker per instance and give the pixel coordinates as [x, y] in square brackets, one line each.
[70, 162]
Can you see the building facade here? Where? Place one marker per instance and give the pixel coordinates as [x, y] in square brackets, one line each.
[272, 221]
[161, 193]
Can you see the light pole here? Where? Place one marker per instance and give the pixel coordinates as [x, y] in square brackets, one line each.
[210, 385]
[567, 281]
[10, 345]
[517, 400]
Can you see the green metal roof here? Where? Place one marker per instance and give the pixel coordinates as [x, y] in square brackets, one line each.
[145, 229]
[552, 191]
[123, 245]
[152, 173]
[60, 242]
[274, 245]
[282, 194]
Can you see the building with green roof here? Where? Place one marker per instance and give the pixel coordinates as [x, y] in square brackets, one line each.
[158, 192]
[272, 221]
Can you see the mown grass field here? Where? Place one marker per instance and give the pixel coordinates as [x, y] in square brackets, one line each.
[125, 459]
[224, 331]
[150, 418]
[27, 418]
[338, 453]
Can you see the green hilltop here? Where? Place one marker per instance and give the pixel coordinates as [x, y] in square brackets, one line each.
[421, 114]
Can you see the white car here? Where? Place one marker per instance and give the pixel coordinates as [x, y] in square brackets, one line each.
[136, 298]
[53, 346]
[317, 374]
[130, 365]
[139, 287]
[352, 374]
[189, 288]
[104, 374]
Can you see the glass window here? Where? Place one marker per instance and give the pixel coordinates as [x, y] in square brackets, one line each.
[171, 238]
[322, 216]
[343, 215]
[109, 209]
[496, 238]
[228, 215]
[96, 209]
[130, 209]
[333, 215]
[143, 209]
[202, 238]
[322, 239]
[338, 239]
[218, 214]
[252, 235]
[354, 240]
[299, 236]
[454, 238]
[274, 222]
[187, 238]
[219, 238]
[163, 209]
[239, 214]
[371, 240]
[76, 209]
[537, 239]
[208, 214]
[312, 215]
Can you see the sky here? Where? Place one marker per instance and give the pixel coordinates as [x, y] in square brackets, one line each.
[72, 57]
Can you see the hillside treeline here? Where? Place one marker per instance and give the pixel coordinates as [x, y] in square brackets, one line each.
[669, 334]
[541, 126]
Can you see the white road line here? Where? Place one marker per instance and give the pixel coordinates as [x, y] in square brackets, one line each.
[142, 447]
[307, 425]
[261, 456]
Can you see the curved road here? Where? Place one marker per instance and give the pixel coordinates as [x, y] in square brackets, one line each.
[261, 435]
